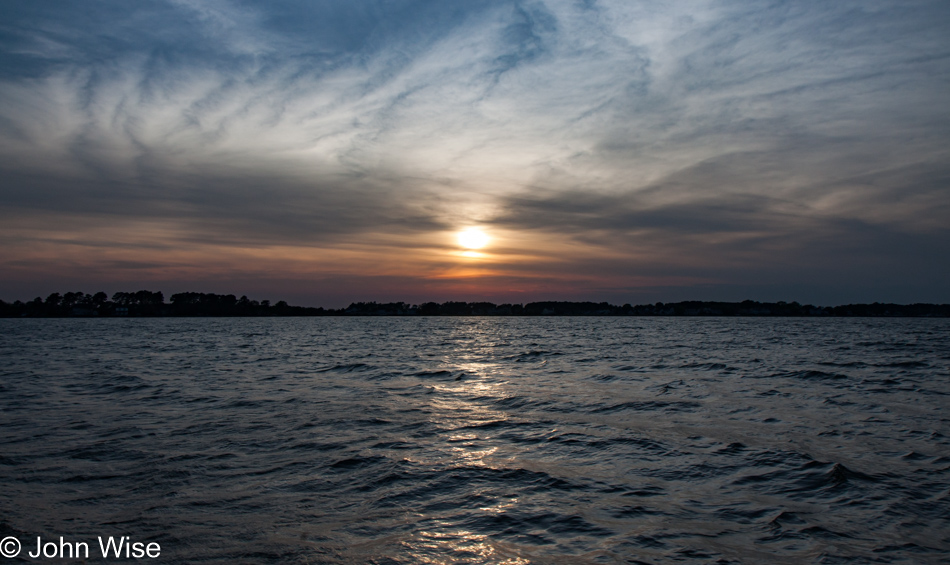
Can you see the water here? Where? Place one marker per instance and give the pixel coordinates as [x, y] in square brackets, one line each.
[481, 440]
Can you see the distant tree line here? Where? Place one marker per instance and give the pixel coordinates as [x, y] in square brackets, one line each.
[147, 303]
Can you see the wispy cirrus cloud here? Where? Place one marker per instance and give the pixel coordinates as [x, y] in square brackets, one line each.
[714, 131]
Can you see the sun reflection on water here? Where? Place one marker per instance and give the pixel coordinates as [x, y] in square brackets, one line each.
[462, 410]
[459, 546]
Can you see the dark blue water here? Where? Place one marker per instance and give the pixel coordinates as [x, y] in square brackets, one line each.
[481, 440]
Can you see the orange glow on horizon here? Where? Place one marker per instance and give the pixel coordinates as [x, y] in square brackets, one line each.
[417, 266]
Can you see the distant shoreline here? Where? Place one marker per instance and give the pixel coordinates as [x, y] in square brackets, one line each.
[145, 303]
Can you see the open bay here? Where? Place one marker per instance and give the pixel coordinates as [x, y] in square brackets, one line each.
[481, 440]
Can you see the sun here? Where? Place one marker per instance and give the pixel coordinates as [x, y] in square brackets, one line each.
[473, 238]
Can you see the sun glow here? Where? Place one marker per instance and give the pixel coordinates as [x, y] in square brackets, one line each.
[473, 238]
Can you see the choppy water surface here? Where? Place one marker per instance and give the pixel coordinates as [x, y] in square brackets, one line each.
[482, 440]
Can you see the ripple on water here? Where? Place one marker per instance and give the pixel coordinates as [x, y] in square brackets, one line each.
[482, 440]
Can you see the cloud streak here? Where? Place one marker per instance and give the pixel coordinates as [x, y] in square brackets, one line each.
[716, 132]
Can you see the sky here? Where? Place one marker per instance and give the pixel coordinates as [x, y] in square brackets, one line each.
[325, 152]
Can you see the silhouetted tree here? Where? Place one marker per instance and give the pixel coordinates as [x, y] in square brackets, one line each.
[71, 298]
